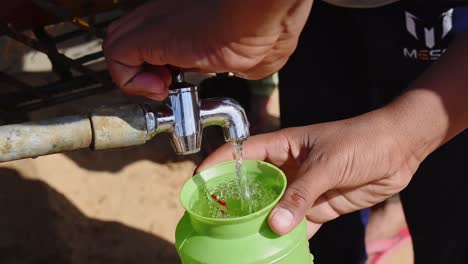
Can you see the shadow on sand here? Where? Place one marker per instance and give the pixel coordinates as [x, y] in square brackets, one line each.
[39, 225]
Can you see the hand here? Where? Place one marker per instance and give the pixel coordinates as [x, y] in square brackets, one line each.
[333, 168]
[252, 40]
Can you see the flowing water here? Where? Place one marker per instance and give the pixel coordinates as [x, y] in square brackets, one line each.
[234, 197]
[243, 187]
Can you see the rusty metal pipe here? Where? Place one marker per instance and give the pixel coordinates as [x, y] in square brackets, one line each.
[121, 126]
[34, 139]
[103, 128]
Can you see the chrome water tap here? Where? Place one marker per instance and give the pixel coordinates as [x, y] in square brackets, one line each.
[187, 116]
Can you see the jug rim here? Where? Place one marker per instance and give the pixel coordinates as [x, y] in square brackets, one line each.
[244, 218]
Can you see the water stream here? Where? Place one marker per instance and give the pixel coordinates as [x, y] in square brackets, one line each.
[242, 185]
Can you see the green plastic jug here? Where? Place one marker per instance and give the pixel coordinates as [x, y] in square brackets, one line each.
[246, 239]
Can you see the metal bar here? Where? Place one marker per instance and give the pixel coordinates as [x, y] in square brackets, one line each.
[55, 93]
[63, 14]
[32, 43]
[63, 98]
[90, 57]
[78, 32]
[25, 14]
[91, 82]
[60, 68]
[15, 98]
[10, 80]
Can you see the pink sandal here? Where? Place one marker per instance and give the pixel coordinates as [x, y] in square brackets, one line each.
[381, 251]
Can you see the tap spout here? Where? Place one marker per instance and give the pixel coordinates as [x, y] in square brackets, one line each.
[228, 114]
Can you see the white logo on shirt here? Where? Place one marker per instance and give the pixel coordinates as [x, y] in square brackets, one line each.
[416, 28]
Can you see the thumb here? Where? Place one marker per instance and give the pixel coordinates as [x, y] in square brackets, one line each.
[311, 182]
[133, 73]
[145, 80]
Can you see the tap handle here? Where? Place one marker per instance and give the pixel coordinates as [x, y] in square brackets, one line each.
[177, 74]
[183, 100]
[178, 80]
[222, 74]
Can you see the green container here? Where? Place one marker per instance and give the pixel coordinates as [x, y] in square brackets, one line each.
[246, 239]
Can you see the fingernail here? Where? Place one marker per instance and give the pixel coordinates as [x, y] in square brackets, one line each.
[282, 218]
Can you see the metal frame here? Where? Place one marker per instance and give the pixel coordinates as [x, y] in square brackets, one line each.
[88, 82]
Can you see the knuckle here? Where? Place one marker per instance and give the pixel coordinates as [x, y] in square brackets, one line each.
[152, 53]
[400, 181]
[298, 196]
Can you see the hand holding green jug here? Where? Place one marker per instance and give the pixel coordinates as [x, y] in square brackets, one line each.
[201, 237]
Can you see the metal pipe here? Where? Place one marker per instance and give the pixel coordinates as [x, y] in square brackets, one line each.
[44, 137]
[119, 127]
[104, 128]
